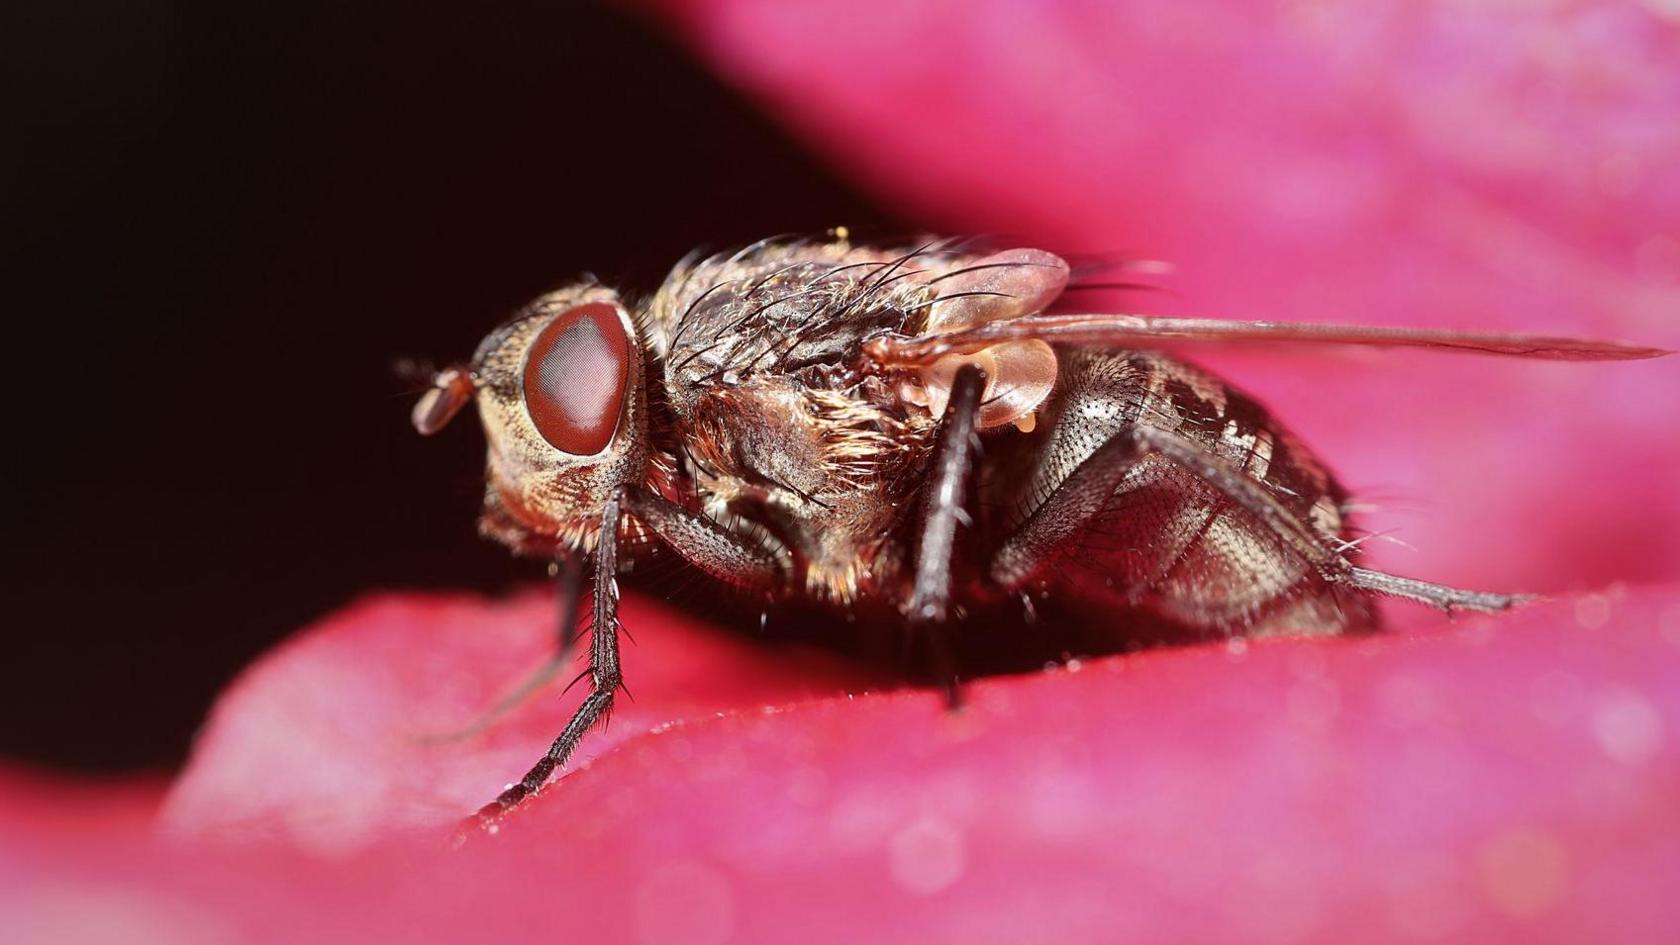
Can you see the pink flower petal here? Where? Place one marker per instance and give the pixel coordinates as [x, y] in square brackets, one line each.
[1498, 166]
[336, 737]
[1505, 779]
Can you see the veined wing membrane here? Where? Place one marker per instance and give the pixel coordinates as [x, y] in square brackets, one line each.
[1148, 331]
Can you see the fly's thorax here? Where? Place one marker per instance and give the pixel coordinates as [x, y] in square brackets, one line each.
[824, 471]
[806, 307]
[563, 404]
[780, 311]
[764, 373]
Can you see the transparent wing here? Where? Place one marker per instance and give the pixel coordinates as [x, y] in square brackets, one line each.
[1146, 331]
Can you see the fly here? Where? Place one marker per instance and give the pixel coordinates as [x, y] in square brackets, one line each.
[823, 420]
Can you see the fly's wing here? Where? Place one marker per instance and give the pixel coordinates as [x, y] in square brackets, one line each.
[1145, 331]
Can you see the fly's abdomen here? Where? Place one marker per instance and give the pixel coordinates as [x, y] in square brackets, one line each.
[1166, 539]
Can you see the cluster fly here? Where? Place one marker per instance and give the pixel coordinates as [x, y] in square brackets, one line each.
[909, 431]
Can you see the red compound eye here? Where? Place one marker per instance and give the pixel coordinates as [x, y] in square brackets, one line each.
[575, 378]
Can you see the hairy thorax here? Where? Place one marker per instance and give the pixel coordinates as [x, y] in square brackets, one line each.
[787, 442]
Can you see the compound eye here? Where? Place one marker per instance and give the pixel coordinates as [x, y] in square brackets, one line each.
[575, 378]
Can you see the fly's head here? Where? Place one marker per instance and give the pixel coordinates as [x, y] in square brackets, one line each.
[561, 395]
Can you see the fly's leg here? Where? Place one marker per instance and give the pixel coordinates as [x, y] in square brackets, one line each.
[1079, 498]
[1084, 493]
[945, 499]
[568, 629]
[1242, 490]
[708, 546]
[696, 538]
[1435, 595]
[1265, 506]
[569, 584]
[604, 673]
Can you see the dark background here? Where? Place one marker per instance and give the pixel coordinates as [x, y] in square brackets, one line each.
[223, 227]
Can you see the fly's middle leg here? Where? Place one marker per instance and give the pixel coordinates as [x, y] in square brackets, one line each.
[945, 501]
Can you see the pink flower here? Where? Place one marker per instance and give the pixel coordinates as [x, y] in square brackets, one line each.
[1493, 779]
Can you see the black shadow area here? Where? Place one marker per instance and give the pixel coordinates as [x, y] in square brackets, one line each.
[227, 222]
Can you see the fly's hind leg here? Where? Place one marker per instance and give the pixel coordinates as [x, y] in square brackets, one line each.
[1265, 506]
[1435, 595]
[944, 507]
[1083, 494]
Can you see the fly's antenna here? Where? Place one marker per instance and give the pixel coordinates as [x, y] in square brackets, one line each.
[451, 388]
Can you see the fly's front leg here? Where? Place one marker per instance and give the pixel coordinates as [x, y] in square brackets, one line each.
[944, 507]
[697, 539]
[604, 672]
[568, 580]
[567, 629]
